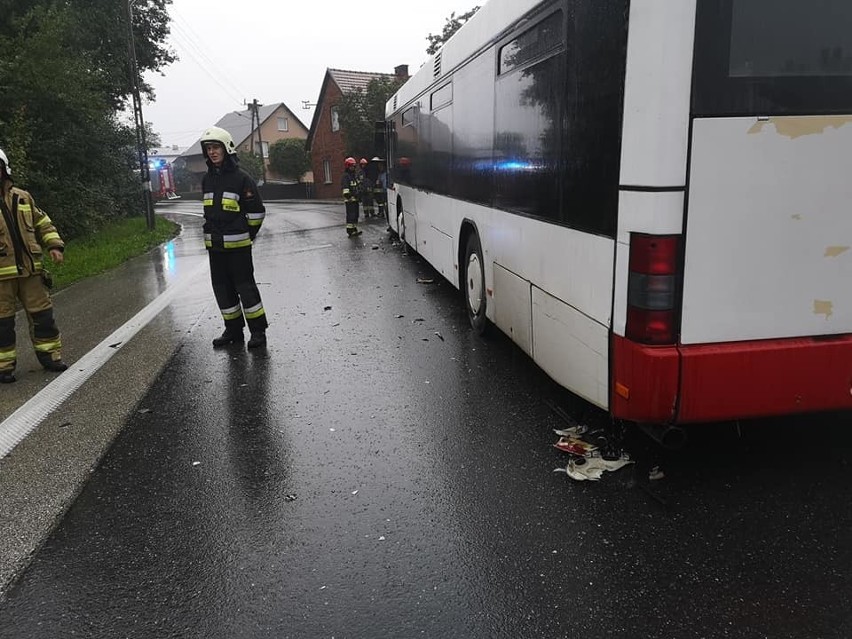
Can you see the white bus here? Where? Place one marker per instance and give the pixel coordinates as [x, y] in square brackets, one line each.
[651, 198]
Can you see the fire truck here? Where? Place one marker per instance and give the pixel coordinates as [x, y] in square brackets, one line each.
[162, 179]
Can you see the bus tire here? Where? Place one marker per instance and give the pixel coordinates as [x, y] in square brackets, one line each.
[475, 297]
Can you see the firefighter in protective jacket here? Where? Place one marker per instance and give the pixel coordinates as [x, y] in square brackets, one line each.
[26, 232]
[233, 214]
[351, 186]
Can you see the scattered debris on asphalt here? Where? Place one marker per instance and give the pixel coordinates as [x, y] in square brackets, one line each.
[592, 468]
[326, 308]
[575, 446]
[289, 498]
[591, 453]
[144, 411]
[425, 280]
[440, 337]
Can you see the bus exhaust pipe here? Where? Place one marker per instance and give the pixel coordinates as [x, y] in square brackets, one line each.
[670, 437]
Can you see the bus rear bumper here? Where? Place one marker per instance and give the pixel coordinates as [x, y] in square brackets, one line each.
[718, 382]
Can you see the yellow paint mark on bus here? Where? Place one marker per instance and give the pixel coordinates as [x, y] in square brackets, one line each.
[797, 127]
[823, 307]
[834, 251]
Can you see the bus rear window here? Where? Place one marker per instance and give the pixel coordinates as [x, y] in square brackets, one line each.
[773, 57]
[812, 38]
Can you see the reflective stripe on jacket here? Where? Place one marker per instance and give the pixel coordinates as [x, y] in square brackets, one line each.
[233, 207]
[26, 232]
[351, 186]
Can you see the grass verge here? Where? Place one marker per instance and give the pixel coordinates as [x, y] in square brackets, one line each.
[112, 245]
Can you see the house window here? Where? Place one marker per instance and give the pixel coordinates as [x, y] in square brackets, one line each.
[335, 119]
[283, 124]
[326, 169]
[262, 148]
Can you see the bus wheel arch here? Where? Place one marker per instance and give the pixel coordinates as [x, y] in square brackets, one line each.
[472, 278]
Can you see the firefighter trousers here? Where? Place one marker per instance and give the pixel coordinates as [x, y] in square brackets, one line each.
[352, 212]
[232, 275]
[44, 334]
[367, 201]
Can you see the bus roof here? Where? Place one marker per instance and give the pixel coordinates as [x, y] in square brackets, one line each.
[485, 25]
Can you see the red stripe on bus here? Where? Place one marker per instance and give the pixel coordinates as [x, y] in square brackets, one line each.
[645, 381]
[766, 378]
[740, 380]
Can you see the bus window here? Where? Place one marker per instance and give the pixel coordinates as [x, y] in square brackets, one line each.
[541, 39]
[803, 39]
[409, 117]
[773, 57]
[527, 139]
[442, 96]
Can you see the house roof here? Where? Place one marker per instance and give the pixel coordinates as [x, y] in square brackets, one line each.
[238, 124]
[346, 81]
[352, 80]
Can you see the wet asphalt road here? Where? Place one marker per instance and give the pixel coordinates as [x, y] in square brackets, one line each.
[366, 477]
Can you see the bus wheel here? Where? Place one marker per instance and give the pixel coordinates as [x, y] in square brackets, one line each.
[474, 285]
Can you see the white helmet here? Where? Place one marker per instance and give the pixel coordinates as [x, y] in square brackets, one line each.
[5, 162]
[217, 134]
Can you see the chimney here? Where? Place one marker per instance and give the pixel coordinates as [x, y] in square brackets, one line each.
[401, 71]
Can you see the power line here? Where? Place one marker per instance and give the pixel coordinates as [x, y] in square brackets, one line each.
[229, 92]
[194, 46]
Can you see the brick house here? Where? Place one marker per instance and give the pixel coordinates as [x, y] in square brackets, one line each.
[325, 139]
[277, 122]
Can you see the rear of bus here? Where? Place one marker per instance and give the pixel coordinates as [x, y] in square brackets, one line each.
[735, 245]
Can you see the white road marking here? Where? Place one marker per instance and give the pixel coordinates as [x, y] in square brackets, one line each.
[23, 421]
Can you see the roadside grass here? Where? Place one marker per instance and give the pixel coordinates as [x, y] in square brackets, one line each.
[112, 245]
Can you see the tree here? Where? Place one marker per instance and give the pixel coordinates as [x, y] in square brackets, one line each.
[453, 24]
[64, 81]
[289, 158]
[359, 110]
[251, 164]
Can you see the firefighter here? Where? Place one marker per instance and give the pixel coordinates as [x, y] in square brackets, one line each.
[25, 233]
[368, 185]
[381, 189]
[233, 214]
[351, 188]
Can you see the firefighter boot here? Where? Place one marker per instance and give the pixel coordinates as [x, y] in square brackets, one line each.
[258, 340]
[50, 364]
[230, 336]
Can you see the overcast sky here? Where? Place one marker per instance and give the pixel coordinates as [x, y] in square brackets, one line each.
[278, 51]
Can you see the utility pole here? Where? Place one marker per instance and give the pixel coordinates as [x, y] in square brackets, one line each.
[141, 142]
[259, 148]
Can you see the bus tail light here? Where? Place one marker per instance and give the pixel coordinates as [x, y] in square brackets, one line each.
[651, 288]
